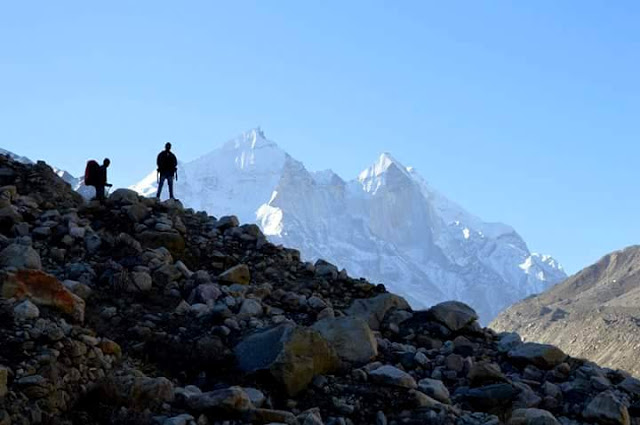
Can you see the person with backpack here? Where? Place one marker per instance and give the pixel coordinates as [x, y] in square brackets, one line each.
[96, 175]
[167, 169]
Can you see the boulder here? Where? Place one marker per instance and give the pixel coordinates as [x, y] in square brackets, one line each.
[20, 256]
[606, 409]
[227, 222]
[9, 217]
[484, 373]
[137, 212]
[435, 389]
[138, 392]
[43, 289]
[26, 310]
[291, 354]
[544, 356]
[490, 397]
[391, 375]
[166, 274]
[237, 274]
[326, 269]
[227, 400]
[373, 310]
[124, 196]
[455, 315]
[250, 308]
[172, 241]
[532, 417]
[508, 341]
[140, 282]
[350, 337]
[205, 293]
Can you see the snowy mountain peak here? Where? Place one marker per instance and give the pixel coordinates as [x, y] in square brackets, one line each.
[386, 170]
[388, 224]
[250, 140]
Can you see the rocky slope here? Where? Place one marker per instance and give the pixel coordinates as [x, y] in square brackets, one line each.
[594, 314]
[141, 312]
[387, 225]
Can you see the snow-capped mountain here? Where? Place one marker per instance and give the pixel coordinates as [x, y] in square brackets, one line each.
[388, 225]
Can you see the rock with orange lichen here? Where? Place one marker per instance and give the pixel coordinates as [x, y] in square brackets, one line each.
[42, 289]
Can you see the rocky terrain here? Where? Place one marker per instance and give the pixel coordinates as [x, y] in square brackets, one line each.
[141, 312]
[594, 314]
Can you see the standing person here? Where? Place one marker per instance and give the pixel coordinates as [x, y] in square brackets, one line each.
[167, 169]
[101, 179]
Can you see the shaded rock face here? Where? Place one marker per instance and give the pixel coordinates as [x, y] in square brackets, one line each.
[291, 354]
[544, 356]
[606, 409]
[166, 340]
[237, 274]
[350, 337]
[373, 310]
[455, 315]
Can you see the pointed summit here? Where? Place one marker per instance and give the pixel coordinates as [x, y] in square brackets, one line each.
[251, 139]
[376, 175]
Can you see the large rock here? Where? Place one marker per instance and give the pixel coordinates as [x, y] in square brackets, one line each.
[26, 310]
[493, 396]
[9, 217]
[606, 409]
[124, 196]
[205, 293]
[532, 417]
[544, 356]
[373, 310]
[20, 256]
[292, 355]
[172, 241]
[227, 400]
[483, 373]
[236, 274]
[391, 375]
[140, 282]
[138, 392]
[455, 315]
[43, 289]
[227, 222]
[435, 388]
[350, 337]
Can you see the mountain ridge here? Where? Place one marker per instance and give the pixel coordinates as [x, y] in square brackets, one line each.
[593, 314]
[401, 230]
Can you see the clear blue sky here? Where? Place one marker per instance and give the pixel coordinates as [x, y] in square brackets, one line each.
[523, 112]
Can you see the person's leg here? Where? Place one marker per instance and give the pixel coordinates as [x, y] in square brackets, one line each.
[170, 183]
[100, 193]
[162, 177]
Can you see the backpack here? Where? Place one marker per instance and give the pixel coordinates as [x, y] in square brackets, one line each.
[166, 162]
[91, 173]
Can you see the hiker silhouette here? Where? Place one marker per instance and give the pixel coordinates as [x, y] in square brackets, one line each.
[96, 175]
[167, 169]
